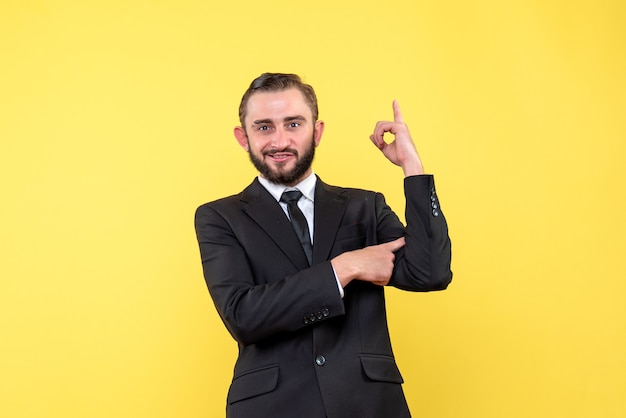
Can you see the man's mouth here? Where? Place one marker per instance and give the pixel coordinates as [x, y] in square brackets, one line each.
[280, 156]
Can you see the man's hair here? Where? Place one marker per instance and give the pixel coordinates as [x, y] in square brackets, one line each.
[272, 82]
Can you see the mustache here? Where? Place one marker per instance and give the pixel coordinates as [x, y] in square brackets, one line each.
[276, 151]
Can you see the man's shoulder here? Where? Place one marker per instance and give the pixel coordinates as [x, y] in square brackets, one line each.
[222, 201]
[220, 208]
[343, 190]
[233, 200]
[419, 185]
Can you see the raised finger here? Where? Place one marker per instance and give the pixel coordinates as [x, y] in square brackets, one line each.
[397, 114]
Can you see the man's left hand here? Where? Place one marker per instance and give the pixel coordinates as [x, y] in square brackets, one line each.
[401, 151]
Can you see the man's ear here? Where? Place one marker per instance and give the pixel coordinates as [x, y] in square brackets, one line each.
[242, 138]
[319, 130]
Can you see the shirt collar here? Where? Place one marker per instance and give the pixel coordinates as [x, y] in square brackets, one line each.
[306, 187]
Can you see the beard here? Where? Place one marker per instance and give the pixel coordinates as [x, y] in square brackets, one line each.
[279, 175]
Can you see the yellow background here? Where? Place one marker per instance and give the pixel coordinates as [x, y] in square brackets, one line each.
[116, 123]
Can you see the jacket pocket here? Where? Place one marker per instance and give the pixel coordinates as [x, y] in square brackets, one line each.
[253, 383]
[381, 368]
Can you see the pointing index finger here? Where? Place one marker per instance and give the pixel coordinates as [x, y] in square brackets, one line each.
[397, 114]
[396, 244]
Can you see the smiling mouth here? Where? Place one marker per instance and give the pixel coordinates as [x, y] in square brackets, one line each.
[280, 156]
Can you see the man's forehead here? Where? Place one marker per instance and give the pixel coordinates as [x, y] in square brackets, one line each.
[282, 103]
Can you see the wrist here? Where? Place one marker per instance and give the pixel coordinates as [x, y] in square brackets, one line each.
[344, 272]
[414, 169]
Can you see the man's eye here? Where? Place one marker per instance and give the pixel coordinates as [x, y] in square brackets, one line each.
[294, 124]
[264, 128]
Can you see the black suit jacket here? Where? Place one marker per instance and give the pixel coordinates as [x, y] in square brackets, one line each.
[303, 350]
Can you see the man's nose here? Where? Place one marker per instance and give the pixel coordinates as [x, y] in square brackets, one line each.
[280, 139]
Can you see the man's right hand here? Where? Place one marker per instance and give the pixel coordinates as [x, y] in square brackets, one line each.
[372, 264]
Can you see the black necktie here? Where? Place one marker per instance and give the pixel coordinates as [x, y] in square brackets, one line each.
[298, 221]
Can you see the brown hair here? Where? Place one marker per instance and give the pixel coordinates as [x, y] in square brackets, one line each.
[269, 82]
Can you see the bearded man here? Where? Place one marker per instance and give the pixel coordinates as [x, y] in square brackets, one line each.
[297, 268]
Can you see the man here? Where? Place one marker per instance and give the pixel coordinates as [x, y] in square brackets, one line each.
[310, 320]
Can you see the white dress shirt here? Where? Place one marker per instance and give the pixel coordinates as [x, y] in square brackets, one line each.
[306, 187]
[306, 203]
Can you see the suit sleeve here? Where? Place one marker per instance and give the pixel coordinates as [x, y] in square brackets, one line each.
[255, 311]
[423, 264]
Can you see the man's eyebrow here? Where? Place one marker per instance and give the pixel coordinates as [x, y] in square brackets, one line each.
[297, 117]
[262, 122]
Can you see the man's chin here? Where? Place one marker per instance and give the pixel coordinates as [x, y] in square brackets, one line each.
[280, 168]
[278, 178]
[288, 172]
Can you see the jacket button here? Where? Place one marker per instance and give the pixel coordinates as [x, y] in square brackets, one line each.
[306, 320]
[435, 212]
[320, 360]
[312, 317]
[325, 312]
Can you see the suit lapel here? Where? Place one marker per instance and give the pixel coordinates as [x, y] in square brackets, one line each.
[329, 209]
[261, 206]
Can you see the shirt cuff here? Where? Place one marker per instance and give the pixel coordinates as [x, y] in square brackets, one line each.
[341, 292]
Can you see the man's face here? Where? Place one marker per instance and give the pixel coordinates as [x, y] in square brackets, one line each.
[280, 135]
